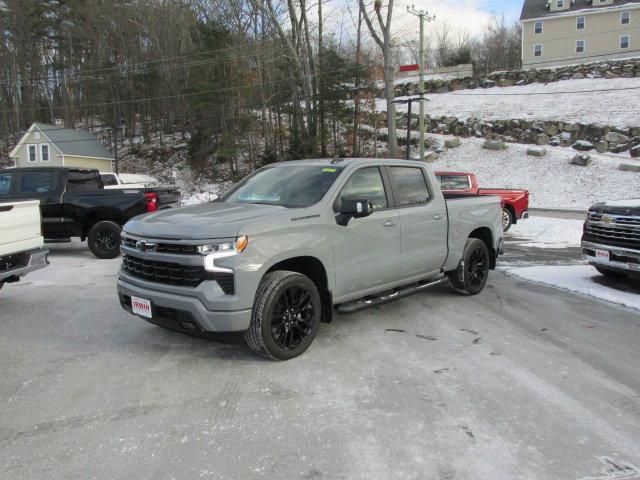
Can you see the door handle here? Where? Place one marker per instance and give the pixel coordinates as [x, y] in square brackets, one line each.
[390, 223]
[439, 216]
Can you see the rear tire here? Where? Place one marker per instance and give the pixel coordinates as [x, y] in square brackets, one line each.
[507, 219]
[286, 314]
[472, 273]
[612, 274]
[104, 240]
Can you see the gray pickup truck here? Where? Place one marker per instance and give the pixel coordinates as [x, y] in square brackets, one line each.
[295, 241]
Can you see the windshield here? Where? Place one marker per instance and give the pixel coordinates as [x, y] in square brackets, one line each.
[291, 186]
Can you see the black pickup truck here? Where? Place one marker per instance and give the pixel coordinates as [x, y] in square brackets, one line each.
[74, 203]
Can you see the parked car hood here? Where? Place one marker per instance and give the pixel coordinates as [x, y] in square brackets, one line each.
[629, 207]
[199, 222]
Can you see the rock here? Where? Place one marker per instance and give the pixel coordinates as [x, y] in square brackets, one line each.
[537, 151]
[609, 75]
[577, 76]
[616, 138]
[629, 167]
[554, 143]
[583, 146]
[551, 129]
[452, 142]
[494, 145]
[635, 151]
[430, 157]
[488, 84]
[581, 159]
[542, 139]
[623, 147]
[602, 147]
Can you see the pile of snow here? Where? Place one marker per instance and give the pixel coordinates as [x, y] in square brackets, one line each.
[552, 182]
[582, 279]
[546, 232]
[614, 103]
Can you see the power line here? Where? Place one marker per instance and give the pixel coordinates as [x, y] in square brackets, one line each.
[569, 92]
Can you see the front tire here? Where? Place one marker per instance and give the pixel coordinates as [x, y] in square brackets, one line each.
[286, 315]
[612, 274]
[104, 240]
[472, 273]
[507, 219]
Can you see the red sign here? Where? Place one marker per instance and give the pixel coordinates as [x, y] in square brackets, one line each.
[409, 68]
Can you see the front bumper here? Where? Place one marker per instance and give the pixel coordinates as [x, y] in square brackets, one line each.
[620, 259]
[182, 312]
[36, 259]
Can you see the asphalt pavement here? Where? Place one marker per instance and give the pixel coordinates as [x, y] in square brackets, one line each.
[520, 382]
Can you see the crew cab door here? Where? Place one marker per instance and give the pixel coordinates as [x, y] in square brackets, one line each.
[423, 222]
[366, 251]
[46, 186]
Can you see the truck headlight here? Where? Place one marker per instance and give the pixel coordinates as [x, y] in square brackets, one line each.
[220, 250]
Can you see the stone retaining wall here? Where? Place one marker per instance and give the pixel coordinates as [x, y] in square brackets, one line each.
[607, 69]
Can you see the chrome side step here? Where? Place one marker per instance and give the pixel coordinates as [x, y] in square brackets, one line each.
[398, 293]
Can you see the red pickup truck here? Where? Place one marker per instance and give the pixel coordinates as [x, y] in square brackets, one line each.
[515, 203]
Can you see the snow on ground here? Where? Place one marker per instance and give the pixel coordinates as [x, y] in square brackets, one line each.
[618, 107]
[582, 279]
[552, 182]
[546, 232]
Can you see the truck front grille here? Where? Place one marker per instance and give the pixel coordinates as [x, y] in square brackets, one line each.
[164, 272]
[613, 230]
[14, 261]
[174, 248]
[175, 274]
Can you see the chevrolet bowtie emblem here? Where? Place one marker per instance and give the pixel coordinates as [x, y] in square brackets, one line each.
[144, 246]
[607, 219]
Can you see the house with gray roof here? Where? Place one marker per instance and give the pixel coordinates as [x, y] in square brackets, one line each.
[54, 145]
[569, 32]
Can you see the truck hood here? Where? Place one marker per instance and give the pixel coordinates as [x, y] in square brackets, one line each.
[200, 222]
[618, 207]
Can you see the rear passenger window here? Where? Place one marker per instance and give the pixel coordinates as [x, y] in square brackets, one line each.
[78, 181]
[366, 183]
[455, 182]
[410, 186]
[37, 182]
[6, 179]
[109, 180]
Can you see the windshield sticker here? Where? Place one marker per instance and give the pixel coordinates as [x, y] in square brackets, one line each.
[329, 170]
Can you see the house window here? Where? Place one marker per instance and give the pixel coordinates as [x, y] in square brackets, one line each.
[44, 152]
[560, 3]
[32, 153]
[538, 27]
[580, 23]
[625, 18]
[624, 41]
[537, 50]
[580, 46]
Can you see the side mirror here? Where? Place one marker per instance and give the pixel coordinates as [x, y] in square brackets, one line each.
[353, 208]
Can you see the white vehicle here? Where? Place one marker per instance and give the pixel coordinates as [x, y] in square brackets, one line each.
[128, 180]
[21, 241]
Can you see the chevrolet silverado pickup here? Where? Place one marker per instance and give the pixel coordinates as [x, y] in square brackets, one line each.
[515, 203]
[293, 240]
[75, 204]
[611, 239]
[21, 242]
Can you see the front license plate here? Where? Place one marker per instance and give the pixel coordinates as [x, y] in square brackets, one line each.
[141, 307]
[602, 256]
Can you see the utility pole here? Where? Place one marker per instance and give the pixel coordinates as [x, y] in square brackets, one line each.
[422, 15]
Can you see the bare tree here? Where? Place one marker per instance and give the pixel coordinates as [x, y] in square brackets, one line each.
[383, 39]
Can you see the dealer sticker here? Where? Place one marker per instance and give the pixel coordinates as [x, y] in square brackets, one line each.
[602, 256]
[141, 307]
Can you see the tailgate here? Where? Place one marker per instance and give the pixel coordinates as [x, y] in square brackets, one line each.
[21, 227]
[168, 196]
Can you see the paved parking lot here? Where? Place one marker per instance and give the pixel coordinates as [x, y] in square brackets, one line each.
[522, 381]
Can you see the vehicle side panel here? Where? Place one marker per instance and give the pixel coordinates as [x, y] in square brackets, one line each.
[20, 227]
[465, 216]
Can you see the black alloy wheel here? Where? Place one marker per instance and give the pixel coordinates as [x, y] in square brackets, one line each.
[292, 317]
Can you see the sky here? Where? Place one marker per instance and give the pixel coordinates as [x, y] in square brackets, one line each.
[467, 16]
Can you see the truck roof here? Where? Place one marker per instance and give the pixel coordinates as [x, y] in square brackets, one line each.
[349, 161]
[52, 167]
